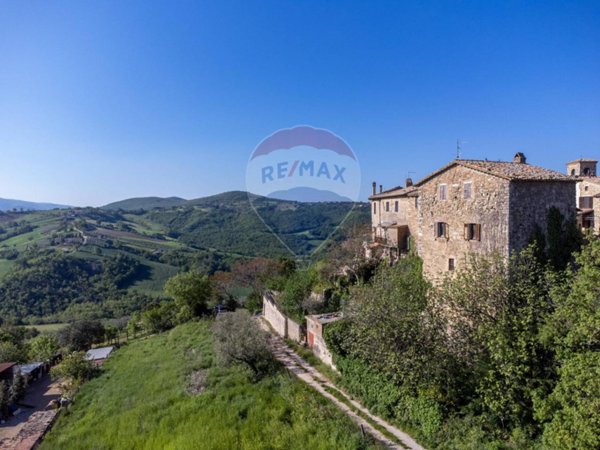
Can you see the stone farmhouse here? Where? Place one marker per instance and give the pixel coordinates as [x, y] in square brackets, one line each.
[466, 207]
[588, 193]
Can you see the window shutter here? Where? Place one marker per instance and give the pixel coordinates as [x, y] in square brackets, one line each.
[466, 231]
[446, 230]
[478, 231]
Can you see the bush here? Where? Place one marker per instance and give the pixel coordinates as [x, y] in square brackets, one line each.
[240, 340]
[74, 370]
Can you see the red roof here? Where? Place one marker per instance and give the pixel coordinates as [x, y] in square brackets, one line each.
[6, 366]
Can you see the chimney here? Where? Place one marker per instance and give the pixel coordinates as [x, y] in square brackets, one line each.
[520, 158]
[409, 182]
[380, 188]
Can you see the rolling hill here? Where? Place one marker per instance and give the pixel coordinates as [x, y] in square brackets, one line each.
[11, 204]
[133, 204]
[80, 258]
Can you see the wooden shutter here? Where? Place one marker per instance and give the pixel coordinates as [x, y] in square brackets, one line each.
[477, 232]
[446, 230]
[466, 231]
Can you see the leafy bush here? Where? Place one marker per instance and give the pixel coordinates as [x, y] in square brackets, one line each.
[240, 340]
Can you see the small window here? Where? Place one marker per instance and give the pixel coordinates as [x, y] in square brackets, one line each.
[586, 202]
[586, 171]
[442, 192]
[374, 208]
[572, 171]
[467, 190]
[450, 263]
[441, 230]
[387, 206]
[396, 205]
[585, 188]
[472, 231]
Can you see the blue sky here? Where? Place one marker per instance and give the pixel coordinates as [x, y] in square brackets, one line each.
[105, 100]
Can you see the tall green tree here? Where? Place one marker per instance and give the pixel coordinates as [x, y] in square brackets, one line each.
[191, 292]
[571, 413]
[43, 347]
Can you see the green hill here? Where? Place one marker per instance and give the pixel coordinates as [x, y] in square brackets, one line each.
[61, 260]
[133, 204]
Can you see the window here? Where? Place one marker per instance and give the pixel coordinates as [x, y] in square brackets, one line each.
[472, 231]
[441, 230]
[572, 171]
[450, 263]
[467, 190]
[387, 206]
[586, 188]
[586, 171]
[442, 192]
[586, 202]
[374, 208]
[396, 206]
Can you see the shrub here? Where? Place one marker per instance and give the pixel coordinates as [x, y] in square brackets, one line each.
[240, 340]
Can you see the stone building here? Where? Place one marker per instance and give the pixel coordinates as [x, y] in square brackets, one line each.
[467, 206]
[587, 193]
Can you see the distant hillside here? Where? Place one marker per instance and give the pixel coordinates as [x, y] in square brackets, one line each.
[11, 204]
[133, 204]
[58, 264]
[305, 194]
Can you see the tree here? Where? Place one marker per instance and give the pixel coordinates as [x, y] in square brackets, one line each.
[159, 318]
[81, 335]
[571, 413]
[74, 370]
[134, 326]
[43, 347]
[111, 334]
[191, 292]
[12, 352]
[18, 387]
[240, 340]
[297, 289]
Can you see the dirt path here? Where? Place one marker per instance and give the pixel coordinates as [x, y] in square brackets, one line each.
[393, 437]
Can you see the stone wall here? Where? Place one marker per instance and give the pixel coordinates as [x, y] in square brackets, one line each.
[294, 331]
[590, 187]
[283, 325]
[322, 352]
[272, 315]
[529, 205]
[488, 206]
[32, 432]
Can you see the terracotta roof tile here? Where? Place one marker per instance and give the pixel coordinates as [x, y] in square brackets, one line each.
[515, 171]
[394, 192]
[511, 171]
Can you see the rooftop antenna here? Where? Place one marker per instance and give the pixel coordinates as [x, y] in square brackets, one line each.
[459, 143]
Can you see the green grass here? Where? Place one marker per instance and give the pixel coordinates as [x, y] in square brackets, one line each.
[140, 402]
[5, 267]
[47, 327]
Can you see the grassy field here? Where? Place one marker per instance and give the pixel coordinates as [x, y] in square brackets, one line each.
[141, 402]
[48, 327]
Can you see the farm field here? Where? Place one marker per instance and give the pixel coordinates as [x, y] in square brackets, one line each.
[145, 399]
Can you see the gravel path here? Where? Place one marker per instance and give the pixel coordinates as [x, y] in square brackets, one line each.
[358, 413]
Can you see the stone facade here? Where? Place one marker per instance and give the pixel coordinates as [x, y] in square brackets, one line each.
[468, 207]
[588, 193]
[530, 202]
[487, 206]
